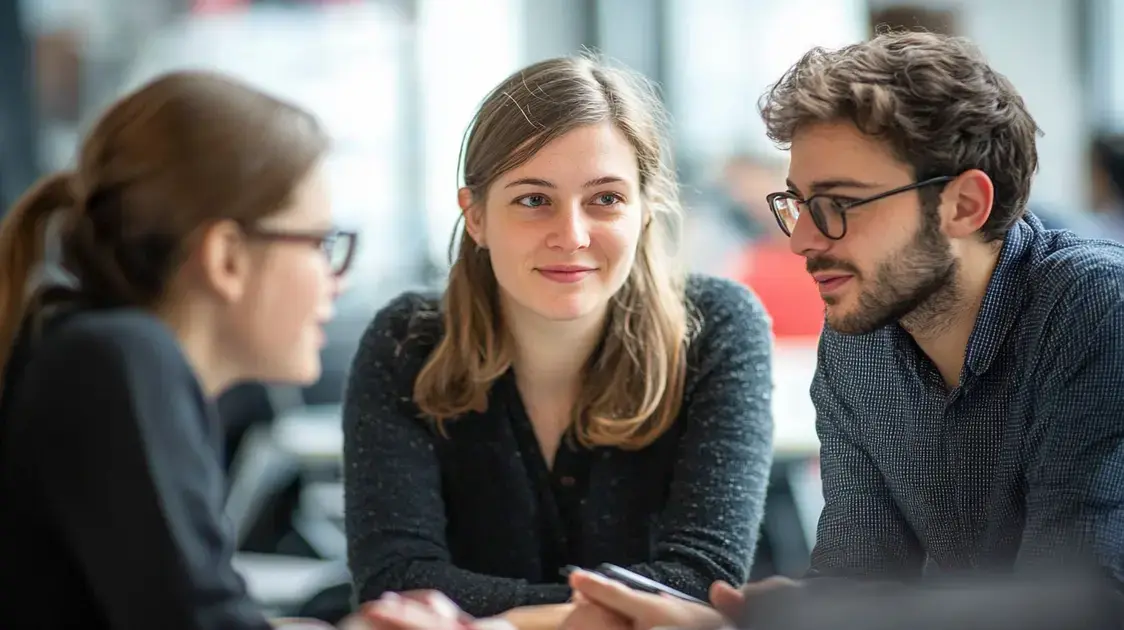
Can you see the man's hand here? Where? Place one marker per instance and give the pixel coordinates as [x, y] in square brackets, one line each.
[731, 602]
[633, 610]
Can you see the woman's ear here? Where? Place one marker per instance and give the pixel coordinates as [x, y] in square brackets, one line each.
[473, 216]
[224, 260]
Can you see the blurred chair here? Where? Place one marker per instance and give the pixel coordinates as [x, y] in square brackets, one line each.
[300, 445]
[285, 482]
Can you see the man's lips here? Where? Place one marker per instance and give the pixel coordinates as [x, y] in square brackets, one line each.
[829, 281]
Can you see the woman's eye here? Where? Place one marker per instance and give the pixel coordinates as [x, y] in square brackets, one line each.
[608, 199]
[532, 201]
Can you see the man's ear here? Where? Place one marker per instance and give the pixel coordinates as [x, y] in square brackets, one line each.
[473, 213]
[966, 203]
[224, 260]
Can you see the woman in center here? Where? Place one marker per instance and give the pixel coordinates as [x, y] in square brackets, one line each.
[573, 398]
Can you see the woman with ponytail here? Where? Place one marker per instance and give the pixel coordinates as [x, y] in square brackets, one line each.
[197, 250]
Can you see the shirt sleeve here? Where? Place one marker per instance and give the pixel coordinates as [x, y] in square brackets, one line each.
[716, 499]
[1075, 479]
[861, 531]
[396, 515]
[128, 467]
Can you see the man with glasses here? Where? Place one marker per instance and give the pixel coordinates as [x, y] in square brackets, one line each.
[970, 381]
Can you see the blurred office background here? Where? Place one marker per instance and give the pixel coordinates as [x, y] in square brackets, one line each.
[397, 81]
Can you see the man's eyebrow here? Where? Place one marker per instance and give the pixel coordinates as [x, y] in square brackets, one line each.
[824, 185]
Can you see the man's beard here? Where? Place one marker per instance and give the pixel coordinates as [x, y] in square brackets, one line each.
[916, 283]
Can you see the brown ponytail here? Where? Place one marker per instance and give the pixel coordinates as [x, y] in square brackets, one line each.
[22, 243]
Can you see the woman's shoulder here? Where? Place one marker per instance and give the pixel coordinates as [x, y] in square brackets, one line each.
[103, 354]
[732, 331]
[405, 329]
[122, 337]
[724, 309]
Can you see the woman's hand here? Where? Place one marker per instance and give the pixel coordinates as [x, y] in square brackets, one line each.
[417, 610]
[635, 610]
[587, 616]
[541, 617]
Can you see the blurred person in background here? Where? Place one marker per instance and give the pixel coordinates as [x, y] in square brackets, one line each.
[198, 250]
[574, 397]
[1107, 173]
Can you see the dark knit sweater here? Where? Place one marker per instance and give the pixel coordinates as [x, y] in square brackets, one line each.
[479, 516]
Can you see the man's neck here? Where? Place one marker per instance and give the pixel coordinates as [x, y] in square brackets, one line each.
[943, 335]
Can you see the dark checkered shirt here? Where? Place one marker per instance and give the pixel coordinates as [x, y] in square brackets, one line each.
[1024, 459]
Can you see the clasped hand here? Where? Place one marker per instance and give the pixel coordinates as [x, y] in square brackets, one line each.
[598, 604]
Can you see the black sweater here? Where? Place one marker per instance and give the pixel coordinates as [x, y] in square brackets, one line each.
[479, 516]
[111, 485]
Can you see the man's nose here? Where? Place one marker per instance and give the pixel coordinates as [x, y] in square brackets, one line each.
[807, 240]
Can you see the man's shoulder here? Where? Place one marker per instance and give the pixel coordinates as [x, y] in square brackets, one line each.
[1060, 258]
[1073, 277]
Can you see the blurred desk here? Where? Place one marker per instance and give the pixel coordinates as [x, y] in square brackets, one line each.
[313, 434]
[280, 583]
[794, 416]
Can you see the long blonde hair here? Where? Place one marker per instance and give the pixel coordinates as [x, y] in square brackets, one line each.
[633, 384]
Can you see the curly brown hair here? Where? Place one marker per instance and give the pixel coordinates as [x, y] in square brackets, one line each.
[932, 98]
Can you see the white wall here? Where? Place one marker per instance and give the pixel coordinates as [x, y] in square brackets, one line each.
[1106, 51]
[724, 54]
[466, 47]
[1036, 45]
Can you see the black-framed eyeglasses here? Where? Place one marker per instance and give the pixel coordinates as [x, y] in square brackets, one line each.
[338, 245]
[829, 212]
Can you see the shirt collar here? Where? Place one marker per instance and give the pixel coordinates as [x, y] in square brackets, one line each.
[1001, 302]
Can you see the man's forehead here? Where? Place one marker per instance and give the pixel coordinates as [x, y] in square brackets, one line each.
[830, 165]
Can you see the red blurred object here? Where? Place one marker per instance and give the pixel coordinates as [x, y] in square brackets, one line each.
[789, 294]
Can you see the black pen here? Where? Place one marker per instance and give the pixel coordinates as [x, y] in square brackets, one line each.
[569, 569]
[632, 580]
